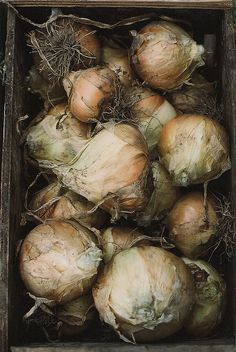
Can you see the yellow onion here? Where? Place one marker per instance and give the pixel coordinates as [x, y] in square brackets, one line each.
[55, 202]
[112, 170]
[196, 97]
[164, 55]
[163, 196]
[193, 224]
[117, 238]
[210, 302]
[151, 111]
[59, 261]
[116, 58]
[75, 316]
[144, 294]
[65, 45]
[89, 92]
[194, 149]
[57, 138]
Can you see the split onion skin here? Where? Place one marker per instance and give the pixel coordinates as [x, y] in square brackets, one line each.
[59, 261]
[210, 304]
[89, 91]
[194, 149]
[144, 294]
[164, 55]
[191, 226]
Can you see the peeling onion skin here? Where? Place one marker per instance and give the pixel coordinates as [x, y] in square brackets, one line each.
[117, 238]
[164, 55]
[89, 91]
[116, 58]
[69, 206]
[151, 111]
[57, 138]
[162, 199]
[144, 294]
[194, 149]
[210, 302]
[191, 231]
[59, 261]
[113, 170]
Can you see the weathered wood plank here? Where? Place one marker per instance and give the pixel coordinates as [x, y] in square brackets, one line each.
[108, 347]
[210, 4]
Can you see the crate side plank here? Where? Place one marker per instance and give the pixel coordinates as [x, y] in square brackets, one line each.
[212, 4]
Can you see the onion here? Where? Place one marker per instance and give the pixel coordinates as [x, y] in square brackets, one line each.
[194, 149]
[163, 196]
[76, 316]
[65, 45]
[151, 111]
[210, 299]
[144, 293]
[116, 58]
[113, 170]
[117, 238]
[57, 138]
[164, 55]
[89, 92]
[59, 261]
[54, 202]
[192, 225]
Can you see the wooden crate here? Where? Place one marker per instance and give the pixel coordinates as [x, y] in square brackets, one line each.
[17, 103]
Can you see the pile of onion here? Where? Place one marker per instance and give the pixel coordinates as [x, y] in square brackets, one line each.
[89, 92]
[162, 199]
[194, 149]
[57, 138]
[164, 55]
[210, 302]
[192, 224]
[116, 58]
[117, 238]
[59, 261]
[151, 112]
[57, 203]
[144, 294]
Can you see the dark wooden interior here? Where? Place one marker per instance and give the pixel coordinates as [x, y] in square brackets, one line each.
[18, 102]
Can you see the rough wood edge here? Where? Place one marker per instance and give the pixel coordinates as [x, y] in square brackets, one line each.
[209, 4]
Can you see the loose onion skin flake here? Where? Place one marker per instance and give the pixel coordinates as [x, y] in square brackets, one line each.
[117, 238]
[192, 225]
[56, 203]
[89, 91]
[210, 302]
[163, 196]
[59, 261]
[144, 294]
[151, 112]
[194, 149]
[164, 55]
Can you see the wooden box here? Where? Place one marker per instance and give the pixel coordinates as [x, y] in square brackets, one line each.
[215, 17]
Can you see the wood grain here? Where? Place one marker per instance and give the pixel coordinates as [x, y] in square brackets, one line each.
[209, 4]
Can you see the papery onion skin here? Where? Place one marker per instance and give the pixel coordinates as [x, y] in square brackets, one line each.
[89, 91]
[162, 199]
[145, 294]
[210, 302]
[113, 170]
[192, 226]
[55, 203]
[194, 149]
[117, 238]
[57, 138]
[151, 112]
[164, 55]
[59, 261]
[116, 58]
